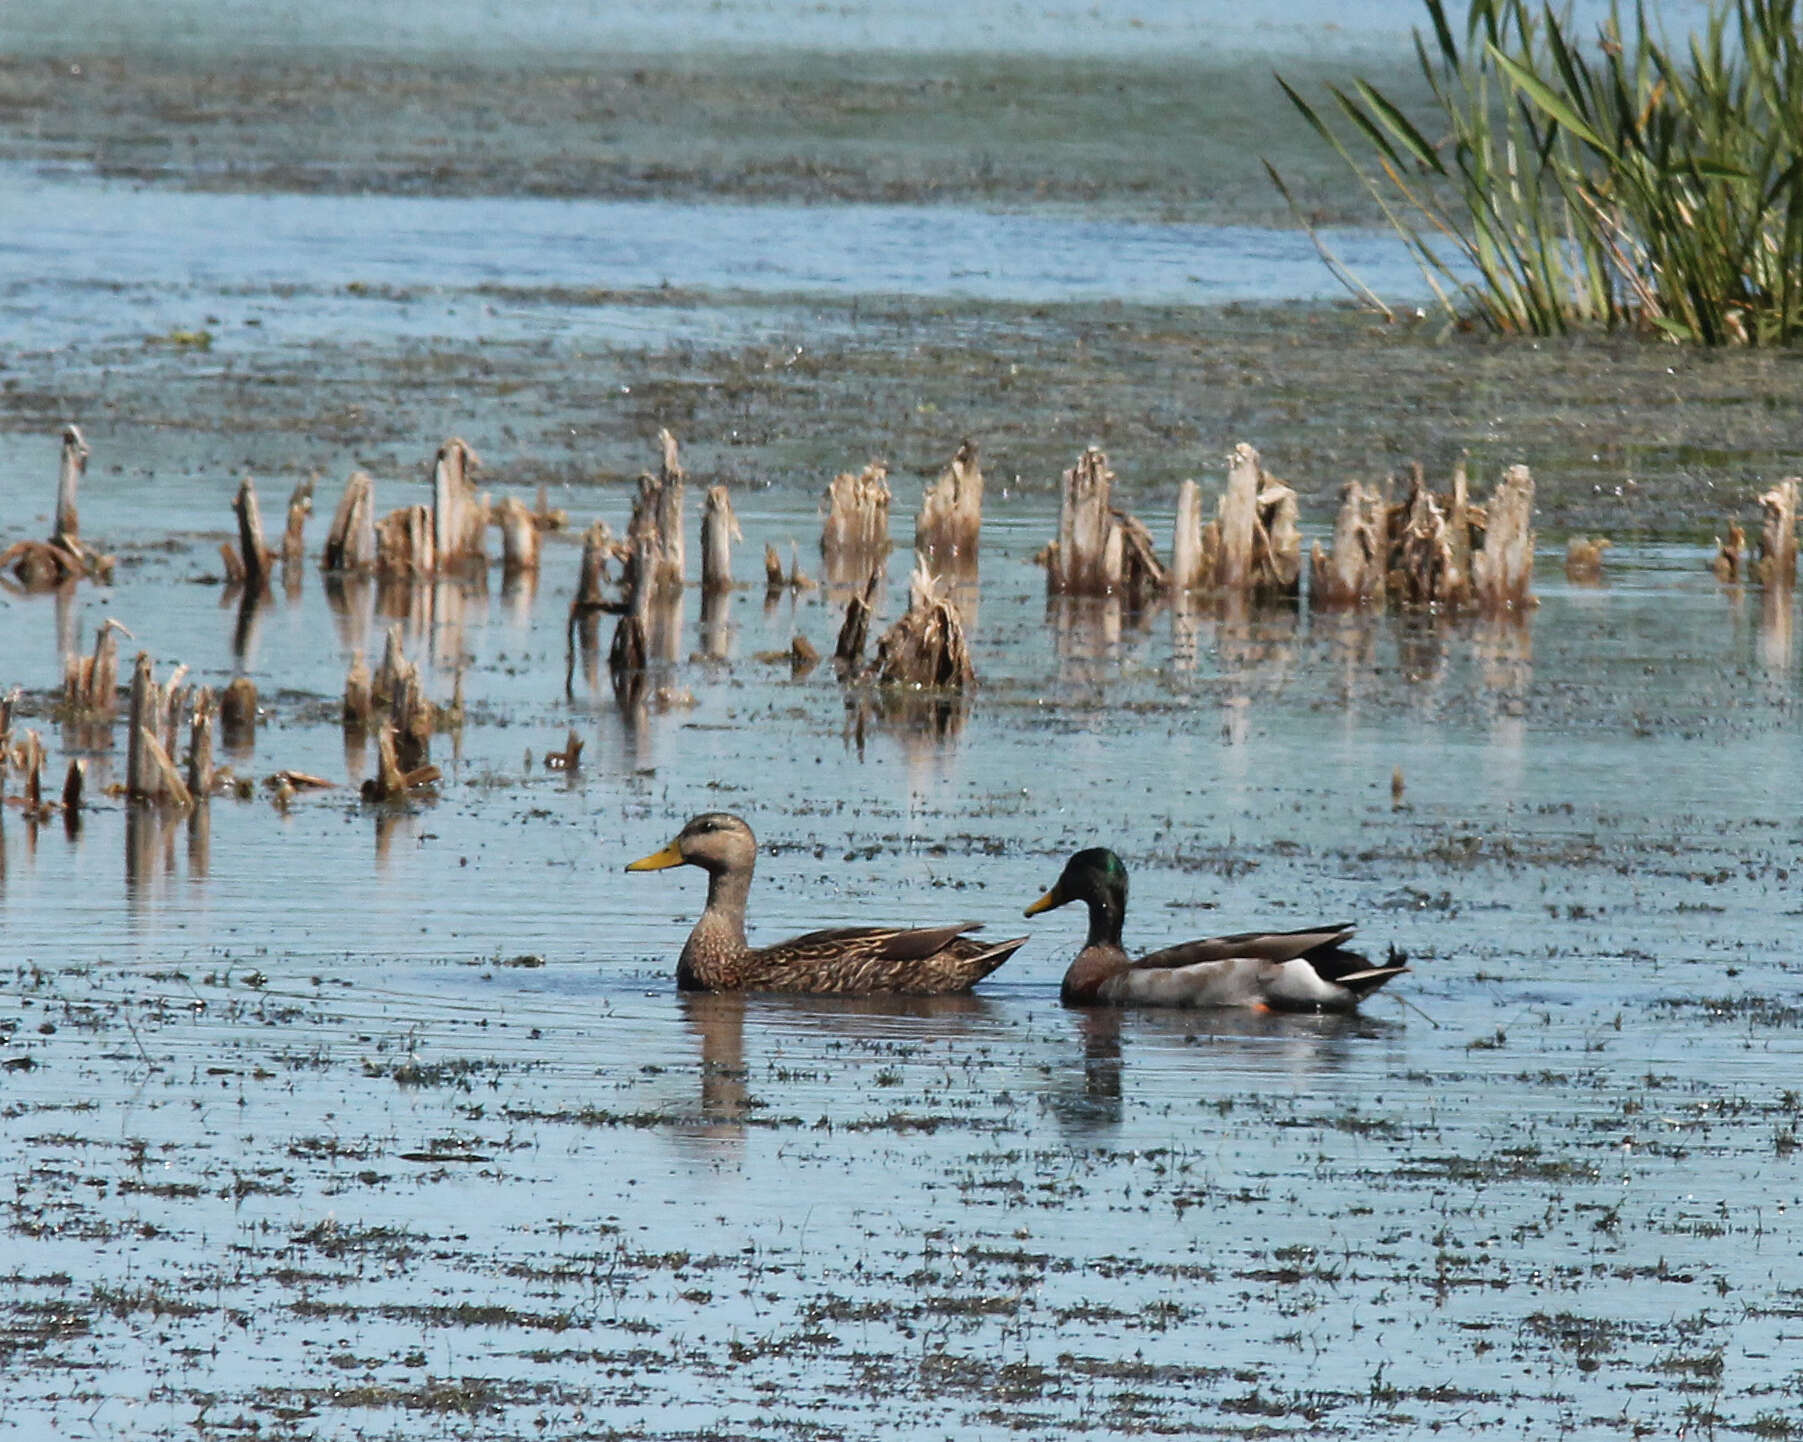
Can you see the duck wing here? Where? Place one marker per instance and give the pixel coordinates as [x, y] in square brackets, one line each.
[850, 960]
[1320, 944]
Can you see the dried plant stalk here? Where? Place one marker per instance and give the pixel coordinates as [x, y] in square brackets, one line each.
[1502, 572]
[238, 713]
[855, 531]
[300, 506]
[519, 537]
[654, 536]
[1777, 566]
[950, 522]
[254, 560]
[1353, 573]
[719, 529]
[351, 539]
[927, 646]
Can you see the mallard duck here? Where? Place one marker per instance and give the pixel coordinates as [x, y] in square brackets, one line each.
[846, 959]
[1308, 970]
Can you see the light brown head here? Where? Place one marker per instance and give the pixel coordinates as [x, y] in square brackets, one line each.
[718, 842]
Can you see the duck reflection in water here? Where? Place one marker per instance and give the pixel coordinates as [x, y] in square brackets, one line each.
[1184, 1057]
[810, 1025]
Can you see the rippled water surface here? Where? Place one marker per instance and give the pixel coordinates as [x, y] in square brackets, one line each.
[338, 1120]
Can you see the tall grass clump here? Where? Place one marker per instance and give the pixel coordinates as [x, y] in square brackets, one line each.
[1622, 184]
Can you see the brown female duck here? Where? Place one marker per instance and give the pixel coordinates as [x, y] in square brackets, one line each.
[848, 960]
[1308, 970]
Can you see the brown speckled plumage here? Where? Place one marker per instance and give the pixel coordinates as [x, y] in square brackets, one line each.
[850, 960]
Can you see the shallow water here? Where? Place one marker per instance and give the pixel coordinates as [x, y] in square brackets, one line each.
[329, 1120]
[114, 263]
[351, 1114]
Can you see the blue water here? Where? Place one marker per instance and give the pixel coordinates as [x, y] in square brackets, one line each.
[105, 263]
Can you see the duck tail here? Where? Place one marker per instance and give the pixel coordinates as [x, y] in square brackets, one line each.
[990, 957]
[1363, 983]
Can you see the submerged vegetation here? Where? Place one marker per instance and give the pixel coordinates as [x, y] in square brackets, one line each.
[1624, 184]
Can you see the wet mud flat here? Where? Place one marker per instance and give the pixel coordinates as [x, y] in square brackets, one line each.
[765, 126]
[777, 393]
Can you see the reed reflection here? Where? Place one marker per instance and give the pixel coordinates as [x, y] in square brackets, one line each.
[247, 625]
[1086, 637]
[200, 839]
[519, 590]
[350, 598]
[150, 831]
[716, 631]
[1776, 630]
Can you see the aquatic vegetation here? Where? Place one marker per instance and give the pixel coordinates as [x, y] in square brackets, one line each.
[1622, 183]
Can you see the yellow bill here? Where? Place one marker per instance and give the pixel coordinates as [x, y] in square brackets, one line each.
[1045, 903]
[670, 856]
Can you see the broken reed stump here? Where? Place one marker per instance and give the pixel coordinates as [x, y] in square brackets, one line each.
[397, 690]
[200, 744]
[1502, 573]
[597, 548]
[719, 529]
[1584, 560]
[803, 658]
[519, 537]
[1728, 553]
[406, 543]
[854, 533]
[149, 773]
[73, 781]
[300, 506]
[568, 759]
[393, 780]
[1352, 574]
[238, 714]
[1195, 544]
[950, 522]
[1079, 561]
[775, 582]
[583, 623]
[459, 514]
[1238, 517]
[44, 564]
[359, 698]
[350, 543]
[627, 655]
[1420, 570]
[1261, 543]
[849, 652]
[249, 566]
[927, 646]
[66, 532]
[27, 758]
[91, 683]
[1777, 564]
[414, 719]
[654, 535]
[543, 516]
[1100, 551]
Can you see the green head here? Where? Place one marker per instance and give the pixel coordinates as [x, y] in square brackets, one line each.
[1096, 878]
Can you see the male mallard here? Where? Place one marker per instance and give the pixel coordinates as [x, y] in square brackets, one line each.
[846, 959]
[1278, 971]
